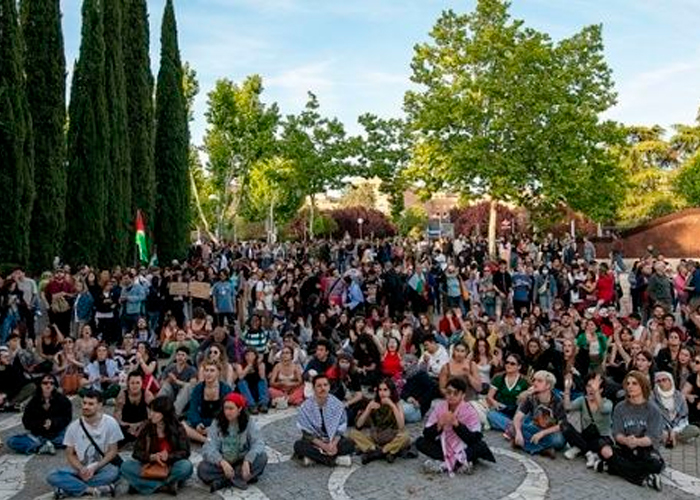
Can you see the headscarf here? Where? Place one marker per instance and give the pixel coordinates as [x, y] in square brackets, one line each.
[236, 399]
[666, 398]
[311, 422]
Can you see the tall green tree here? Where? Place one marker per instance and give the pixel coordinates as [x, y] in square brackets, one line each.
[241, 132]
[139, 99]
[172, 145]
[504, 112]
[16, 142]
[88, 144]
[320, 151]
[118, 221]
[45, 67]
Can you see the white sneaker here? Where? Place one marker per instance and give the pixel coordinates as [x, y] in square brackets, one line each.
[343, 460]
[431, 466]
[572, 453]
[307, 462]
[590, 459]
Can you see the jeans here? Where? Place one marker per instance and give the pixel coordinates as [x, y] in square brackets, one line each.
[68, 480]
[210, 472]
[263, 396]
[411, 413]
[131, 470]
[29, 443]
[499, 421]
[529, 429]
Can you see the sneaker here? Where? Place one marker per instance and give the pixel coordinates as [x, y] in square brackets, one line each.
[102, 491]
[591, 459]
[218, 485]
[47, 449]
[307, 462]
[264, 409]
[59, 494]
[466, 469]
[343, 460]
[600, 466]
[654, 481]
[572, 453]
[239, 483]
[431, 466]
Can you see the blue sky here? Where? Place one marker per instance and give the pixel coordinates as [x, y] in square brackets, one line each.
[355, 54]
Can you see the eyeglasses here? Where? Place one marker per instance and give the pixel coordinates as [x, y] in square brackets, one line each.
[46, 382]
[511, 363]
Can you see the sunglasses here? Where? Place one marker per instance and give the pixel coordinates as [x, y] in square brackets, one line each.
[511, 363]
[46, 382]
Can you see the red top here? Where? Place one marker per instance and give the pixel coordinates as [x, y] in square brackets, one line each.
[162, 444]
[606, 288]
[391, 364]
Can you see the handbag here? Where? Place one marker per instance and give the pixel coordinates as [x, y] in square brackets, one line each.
[155, 470]
[70, 383]
[59, 304]
[117, 461]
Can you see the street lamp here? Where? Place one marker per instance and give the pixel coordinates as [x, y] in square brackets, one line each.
[360, 221]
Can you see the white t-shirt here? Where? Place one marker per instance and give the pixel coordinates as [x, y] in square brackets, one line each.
[106, 433]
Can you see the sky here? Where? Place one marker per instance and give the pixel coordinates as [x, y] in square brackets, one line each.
[355, 55]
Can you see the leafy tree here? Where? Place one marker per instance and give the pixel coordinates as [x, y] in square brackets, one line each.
[273, 193]
[385, 152]
[413, 220]
[687, 182]
[320, 150]
[503, 111]
[45, 67]
[172, 143]
[649, 162]
[374, 223]
[240, 134]
[88, 136]
[118, 221]
[360, 194]
[474, 218]
[139, 99]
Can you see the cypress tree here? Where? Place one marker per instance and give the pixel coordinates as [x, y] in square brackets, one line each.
[171, 147]
[139, 91]
[45, 68]
[16, 142]
[88, 152]
[117, 220]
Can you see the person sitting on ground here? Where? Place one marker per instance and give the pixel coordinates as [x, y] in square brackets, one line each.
[46, 417]
[90, 470]
[674, 409]
[205, 402]
[131, 407]
[102, 374]
[434, 356]
[323, 422]
[286, 382]
[536, 427]
[170, 347]
[178, 374]
[160, 458]
[15, 385]
[234, 454]
[419, 390]
[502, 397]
[637, 426]
[321, 360]
[252, 382]
[385, 435]
[595, 417]
[452, 436]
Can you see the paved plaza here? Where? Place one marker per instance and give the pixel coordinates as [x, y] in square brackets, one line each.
[515, 476]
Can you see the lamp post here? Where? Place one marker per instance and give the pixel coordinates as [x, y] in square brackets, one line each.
[360, 221]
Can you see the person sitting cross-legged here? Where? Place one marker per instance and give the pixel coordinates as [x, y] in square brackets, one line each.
[46, 417]
[452, 435]
[91, 469]
[234, 454]
[160, 459]
[323, 422]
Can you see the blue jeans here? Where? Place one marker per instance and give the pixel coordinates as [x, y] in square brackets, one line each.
[131, 470]
[529, 429]
[29, 443]
[411, 414]
[68, 480]
[498, 421]
[263, 396]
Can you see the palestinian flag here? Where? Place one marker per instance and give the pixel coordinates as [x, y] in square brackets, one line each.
[141, 237]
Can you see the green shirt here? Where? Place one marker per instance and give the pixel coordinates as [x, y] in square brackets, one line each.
[602, 418]
[508, 395]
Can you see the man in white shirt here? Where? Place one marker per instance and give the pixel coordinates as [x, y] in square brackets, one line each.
[434, 356]
[91, 471]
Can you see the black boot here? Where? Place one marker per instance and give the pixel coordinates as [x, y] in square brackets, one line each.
[371, 456]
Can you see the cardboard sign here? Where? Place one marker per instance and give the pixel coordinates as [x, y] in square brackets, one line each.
[177, 288]
[200, 290]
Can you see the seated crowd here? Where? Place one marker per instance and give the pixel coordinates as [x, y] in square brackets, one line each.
[363, 347]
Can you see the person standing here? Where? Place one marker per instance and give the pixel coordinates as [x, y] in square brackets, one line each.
[91, 446]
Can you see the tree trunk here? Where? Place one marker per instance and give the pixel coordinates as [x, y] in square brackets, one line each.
[197, 202]
[311, 217]
[493, 215]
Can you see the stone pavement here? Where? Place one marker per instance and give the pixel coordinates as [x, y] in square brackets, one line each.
[515, 476]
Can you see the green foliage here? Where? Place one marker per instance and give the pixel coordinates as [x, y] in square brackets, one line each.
[272, 183]
[139, 98]
[687, 182]
[118, 220]
[88, 136]
[360, 194]
[240, 134]
[45, 68]
[413, 220]
[504, 111]
[385, 152]
[172, 148]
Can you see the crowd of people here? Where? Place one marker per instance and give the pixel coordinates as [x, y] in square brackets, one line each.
[364, 337]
